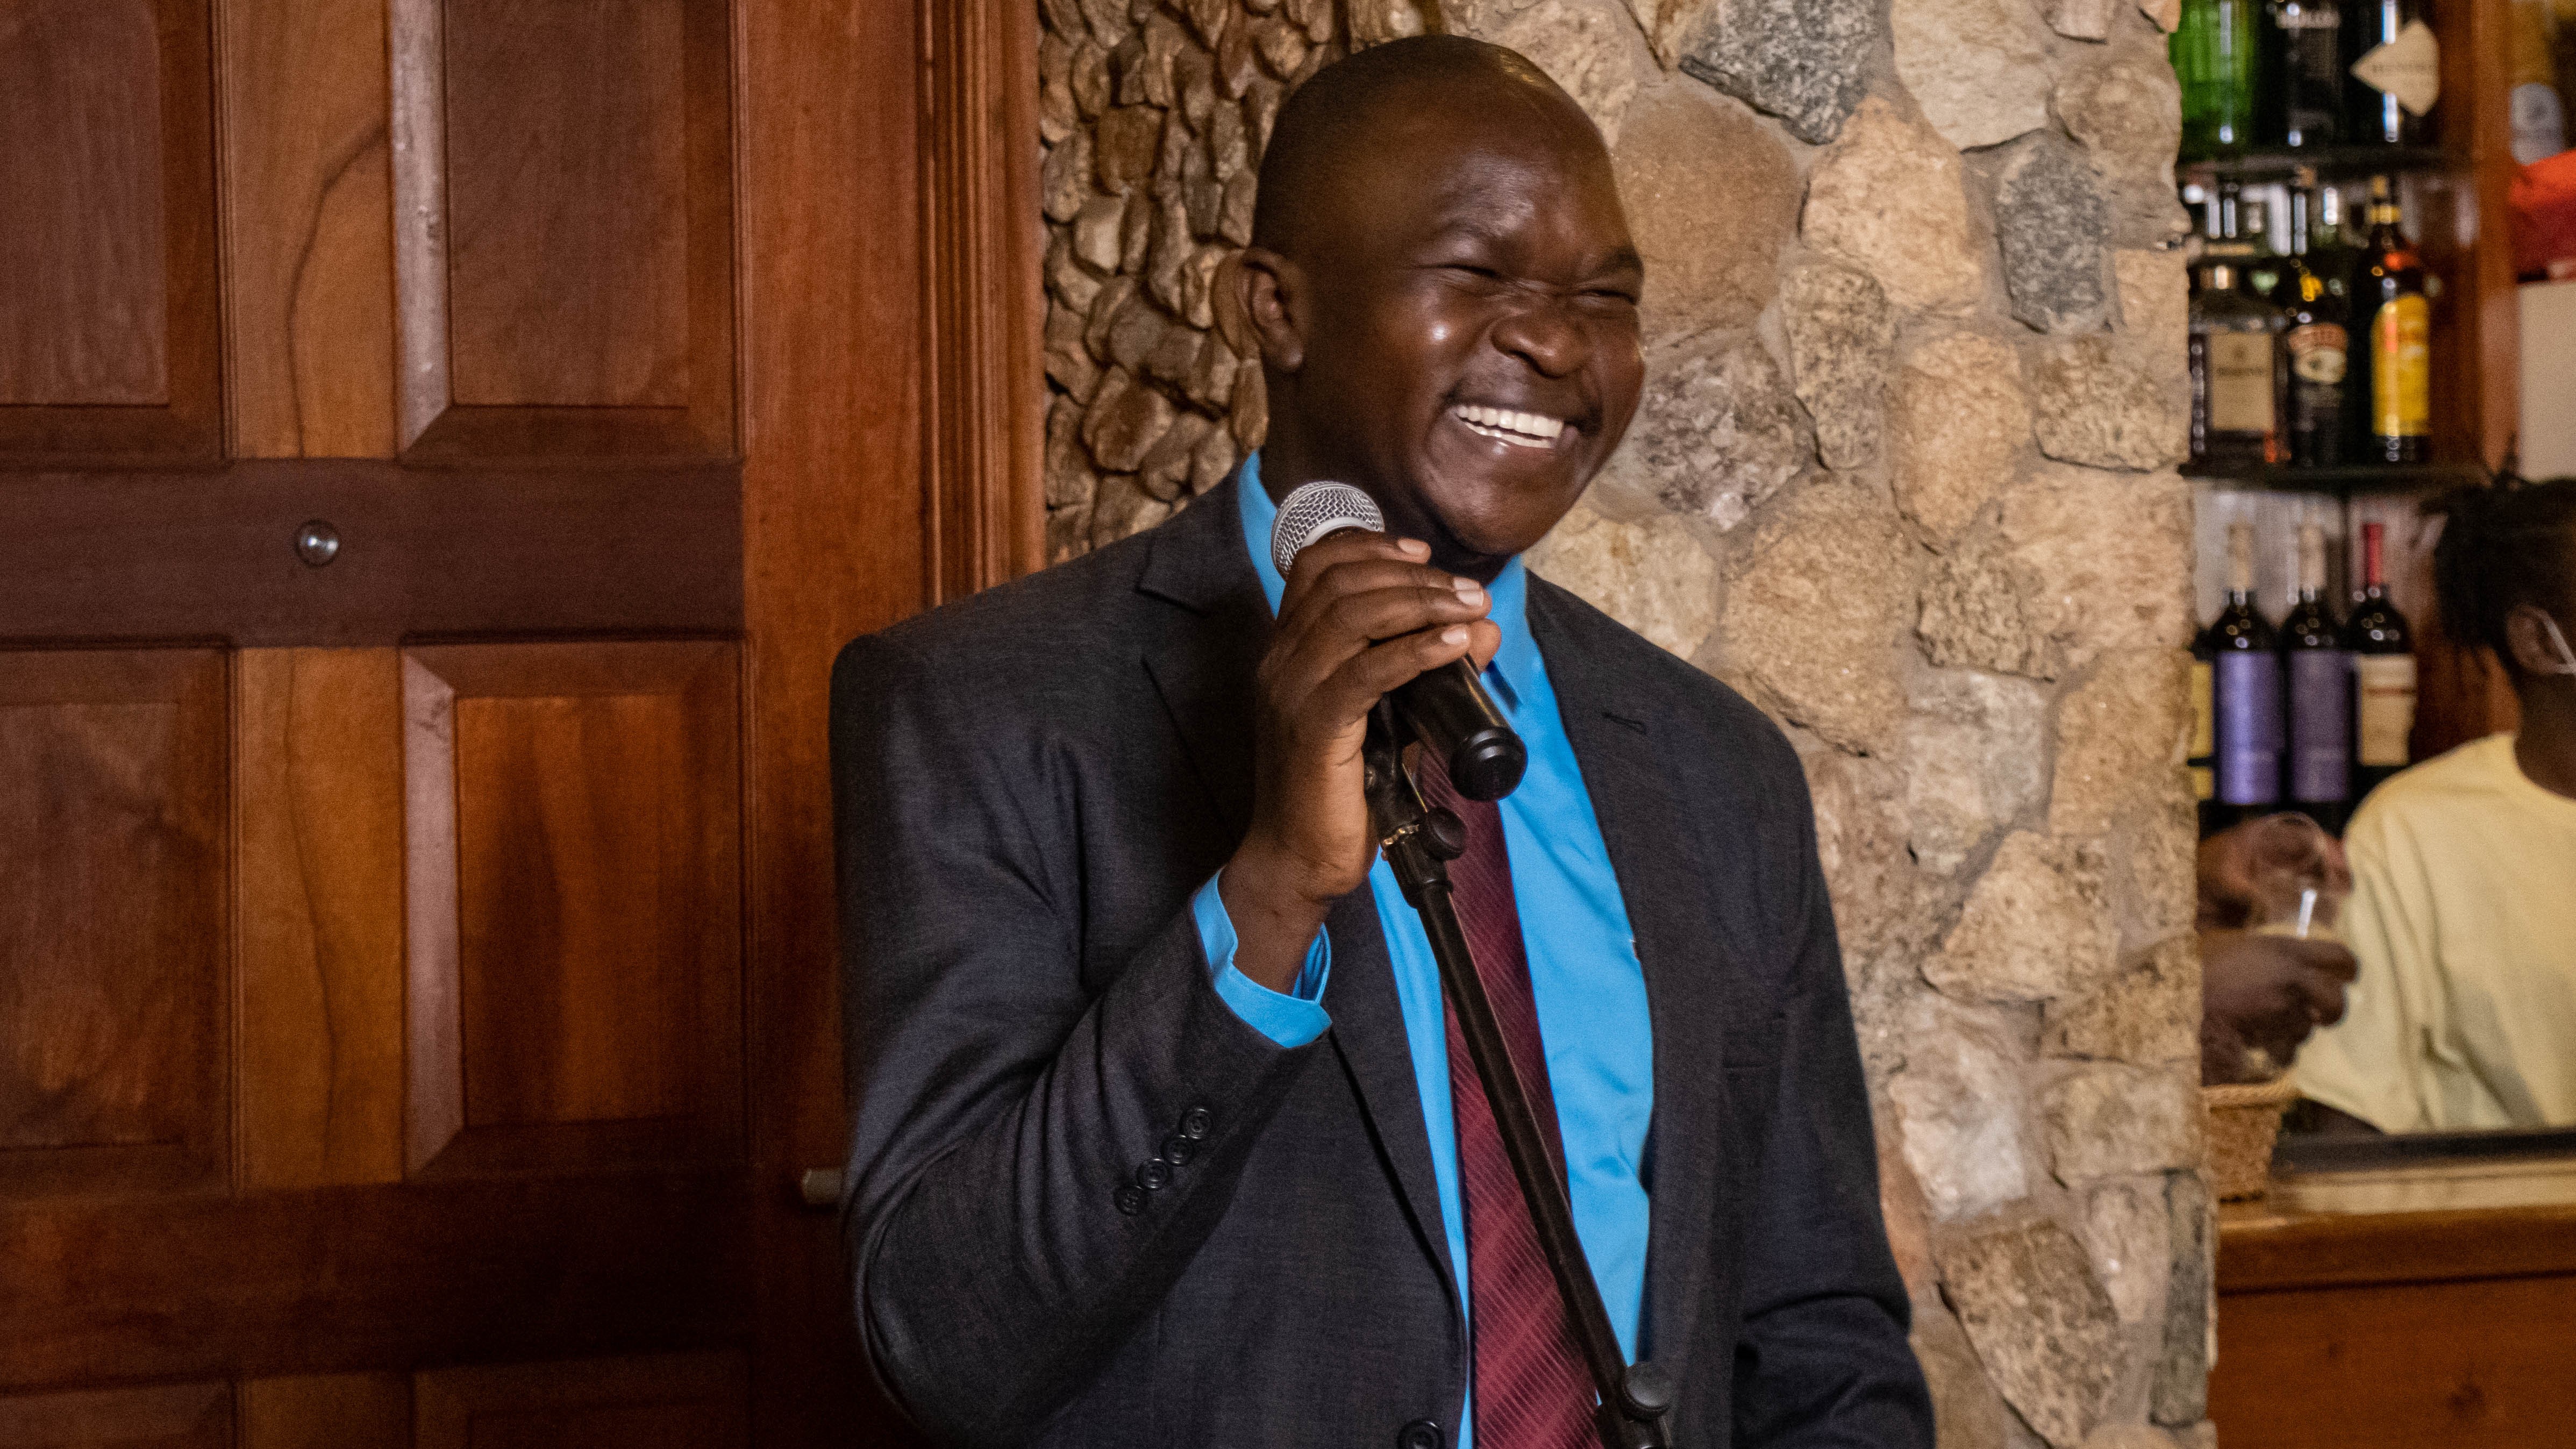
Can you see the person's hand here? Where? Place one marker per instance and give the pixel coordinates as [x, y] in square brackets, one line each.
[1362, 614]
[2260, 996]
[2242, 867]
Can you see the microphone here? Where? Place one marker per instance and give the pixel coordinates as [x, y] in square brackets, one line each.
[1446, 708]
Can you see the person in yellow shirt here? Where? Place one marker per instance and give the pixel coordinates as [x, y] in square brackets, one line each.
[2463, 910]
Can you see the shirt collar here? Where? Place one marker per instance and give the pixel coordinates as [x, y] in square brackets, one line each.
[1517, 659]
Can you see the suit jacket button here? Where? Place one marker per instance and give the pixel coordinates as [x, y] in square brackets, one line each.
[1155, 1175]
[1130, 1198]
[1178, 1150]
[1420, 1434]
[1195, 1123]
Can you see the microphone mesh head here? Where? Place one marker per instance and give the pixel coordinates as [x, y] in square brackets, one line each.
[1316, 510]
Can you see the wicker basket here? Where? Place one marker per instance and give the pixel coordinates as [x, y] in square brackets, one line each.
[2244, 1122]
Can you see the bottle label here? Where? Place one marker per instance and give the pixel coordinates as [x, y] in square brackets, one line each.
[2248, 727]
[2240, 382]
[2204, 733]
[2320, 724]
[2387, 691]
[2408, 66]
[2316, 352]
[2401, 368]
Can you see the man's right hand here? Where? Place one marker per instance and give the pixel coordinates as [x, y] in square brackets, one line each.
[1362, 614]
[2260, 996]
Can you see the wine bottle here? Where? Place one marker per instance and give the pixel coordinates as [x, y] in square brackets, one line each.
[2399, 324]
[2393, 75]
[2383, 652]
[2202, 758]
[2245, 680]
[2235, 368]
[2315, 347]
[2320, 684]
[2215, 56]
[2302, 100]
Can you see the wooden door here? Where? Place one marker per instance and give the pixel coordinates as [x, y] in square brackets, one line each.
[441, 444]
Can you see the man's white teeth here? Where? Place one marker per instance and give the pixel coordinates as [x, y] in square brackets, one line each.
[1530, 430]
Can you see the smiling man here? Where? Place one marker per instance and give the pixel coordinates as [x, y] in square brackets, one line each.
[1163, 1137]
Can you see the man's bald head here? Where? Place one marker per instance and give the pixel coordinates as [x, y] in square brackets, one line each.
[1340, 118]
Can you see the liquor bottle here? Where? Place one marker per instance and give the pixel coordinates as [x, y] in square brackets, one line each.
[2202, 758]
[2245, 680]
[2262, 265]
[2320, 683]
[2215, 56]
[2235, 369]
[2302, 98]
[2531, 69]
[2392, 75]
[2314, 346]
[2383, 675]
[2398, 321]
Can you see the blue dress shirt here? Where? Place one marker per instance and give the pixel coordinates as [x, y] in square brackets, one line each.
[1589, 990]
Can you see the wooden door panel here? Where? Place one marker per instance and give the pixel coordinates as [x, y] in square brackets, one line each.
[177, 1416]
[575, 947]
[308, 229]
[564, 216]
[107, 320]
[348, 1279]
[666, 1401]
[318, 768]
[112, 920]
[327, 1411]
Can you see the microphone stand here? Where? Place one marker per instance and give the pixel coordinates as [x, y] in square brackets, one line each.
[1635, 1401]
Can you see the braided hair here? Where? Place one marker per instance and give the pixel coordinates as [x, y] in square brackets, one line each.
[2503, 546]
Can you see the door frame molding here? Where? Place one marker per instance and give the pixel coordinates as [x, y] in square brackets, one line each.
[983, 405]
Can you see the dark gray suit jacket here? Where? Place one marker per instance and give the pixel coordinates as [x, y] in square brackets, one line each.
[1030, 784]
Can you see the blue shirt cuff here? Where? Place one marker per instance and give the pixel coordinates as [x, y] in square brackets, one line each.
[1290, 1019]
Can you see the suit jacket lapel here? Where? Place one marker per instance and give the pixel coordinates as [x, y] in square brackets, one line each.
[1202, 664]
[1614, 725]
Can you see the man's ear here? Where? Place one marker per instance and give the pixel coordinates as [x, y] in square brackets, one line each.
[1252, 293]
[2529, 639]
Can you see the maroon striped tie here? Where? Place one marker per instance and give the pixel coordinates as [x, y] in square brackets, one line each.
[1532, 1388]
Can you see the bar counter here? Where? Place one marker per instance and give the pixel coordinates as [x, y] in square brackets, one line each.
[2415, 1303]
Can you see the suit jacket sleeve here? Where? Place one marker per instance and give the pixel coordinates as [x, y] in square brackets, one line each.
[1823, 1359]
[1001, 1101]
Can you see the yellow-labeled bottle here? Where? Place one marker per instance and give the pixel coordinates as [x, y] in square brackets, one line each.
[2391, 296]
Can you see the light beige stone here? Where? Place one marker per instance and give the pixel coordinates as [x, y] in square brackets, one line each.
[1716, 433]
[2034, 928]
[2155, 302]
[2148, 1014]
[1958, 1104]
[1978, 611]
[1281, 46]
[2129, 1436]
[1069, 478]
[1887, 197]
[1125, 146]
[1664, 23]
[1069, 364]
[1902, 1206]
[2126, 1229]
[1841, 335]
[1710, 233]
[2106, 1119]
[2107, 559]
[1959, 422]
[2118, 736]
[2153, 871]
[2165, 14]
[1068, 532]
[1095, 232]
[1975, 67]
[1375, 22]
[1165, 470]
[1650, 575]
[1064, 178]
[1123, 508]
[1879, 910]
[1584, 46]
[2081, 19]
[1974, 751]
[1814, 617]
[2127, 111]
[2047, 1333]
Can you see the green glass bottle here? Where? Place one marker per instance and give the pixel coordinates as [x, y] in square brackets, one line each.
[2215, 51]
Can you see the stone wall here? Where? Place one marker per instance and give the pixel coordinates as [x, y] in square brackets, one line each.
[1903, 474]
